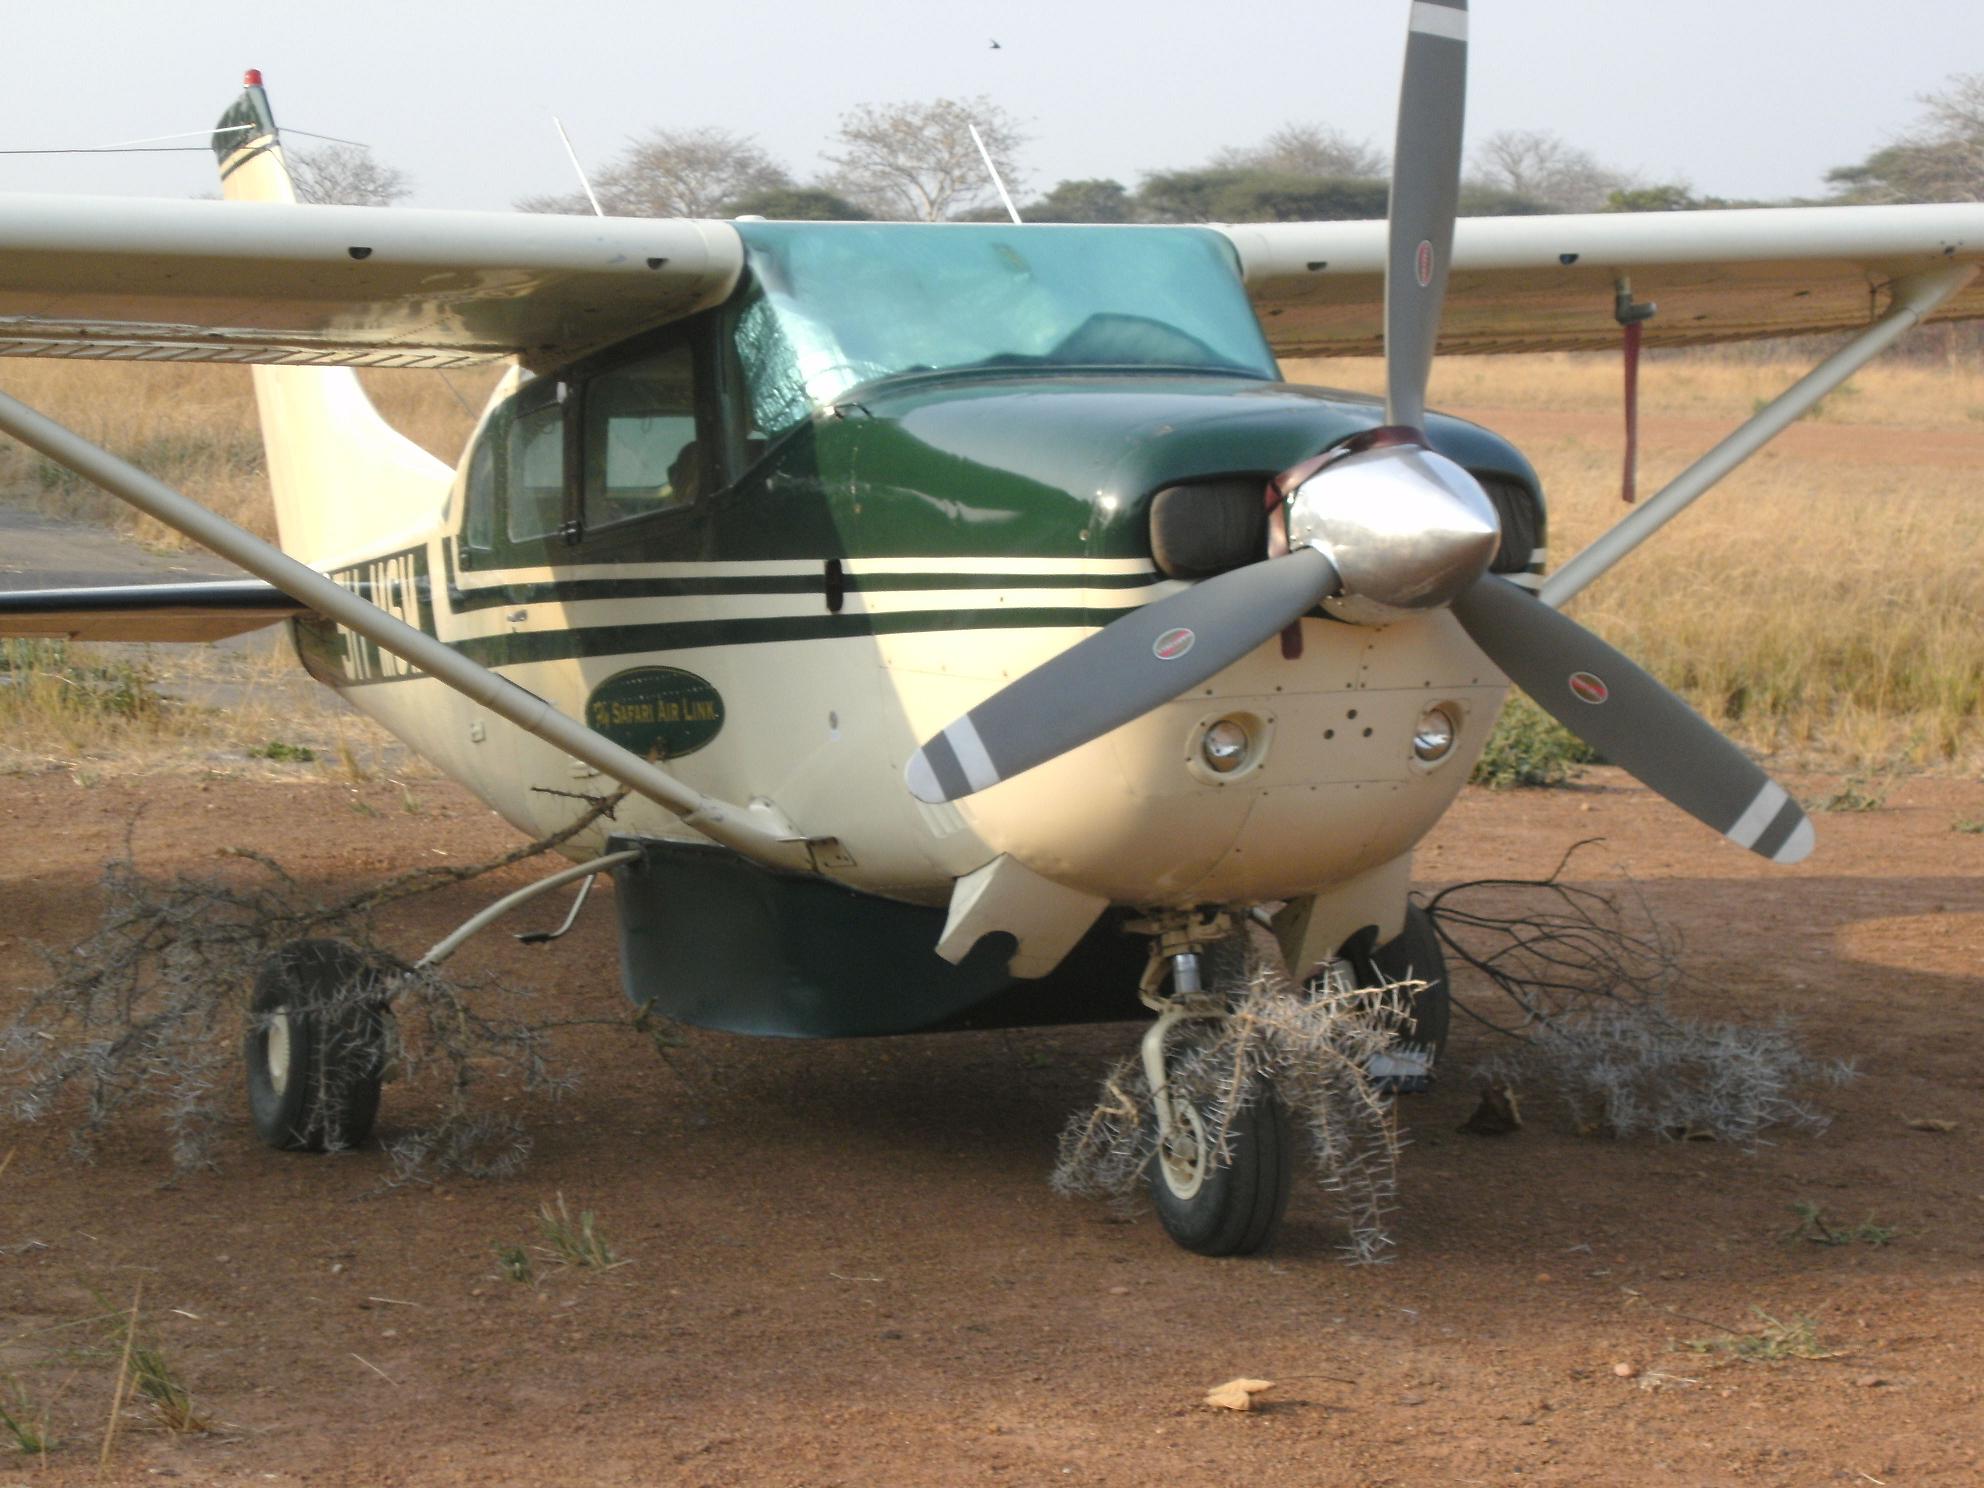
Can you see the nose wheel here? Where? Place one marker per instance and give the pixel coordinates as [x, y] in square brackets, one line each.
[1219, 1178]
[1222, 1204]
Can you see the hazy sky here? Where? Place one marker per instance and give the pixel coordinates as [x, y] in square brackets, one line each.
[1738, 97]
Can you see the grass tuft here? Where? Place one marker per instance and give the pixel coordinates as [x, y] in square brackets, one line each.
[574, 1242]
[514, 1262]
[1855, 793]
[1814, 1226]
[21, 1422]
[1771, 1341]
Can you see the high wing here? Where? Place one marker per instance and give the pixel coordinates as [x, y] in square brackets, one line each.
[138, 279]
[1550, 283]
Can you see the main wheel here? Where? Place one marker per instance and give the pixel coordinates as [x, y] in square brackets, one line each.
[316, 1047]
[1224, 1208]
[1415, 954]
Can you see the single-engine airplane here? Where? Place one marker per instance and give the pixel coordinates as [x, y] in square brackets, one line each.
[981, 624]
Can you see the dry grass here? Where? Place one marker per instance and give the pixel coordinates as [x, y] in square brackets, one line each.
[1688, 384]
[1823, 601]
[1820, 605]
[194, 427]
[98, 710]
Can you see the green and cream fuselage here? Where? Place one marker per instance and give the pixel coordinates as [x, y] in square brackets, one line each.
[780, 561]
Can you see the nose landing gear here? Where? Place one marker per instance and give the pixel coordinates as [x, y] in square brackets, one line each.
[1219, 1173]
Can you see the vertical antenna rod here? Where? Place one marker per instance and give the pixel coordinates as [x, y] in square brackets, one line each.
[993, 170]
[566, 140]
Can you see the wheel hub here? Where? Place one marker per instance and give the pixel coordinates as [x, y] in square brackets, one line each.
[1182, 1154]
[275, 1050]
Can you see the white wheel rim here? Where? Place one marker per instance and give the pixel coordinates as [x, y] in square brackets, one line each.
[275, 1052]
[1183, 1158]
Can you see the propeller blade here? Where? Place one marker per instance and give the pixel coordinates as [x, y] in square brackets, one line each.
[1425, 195]
[1637, 724]
[1121, 672]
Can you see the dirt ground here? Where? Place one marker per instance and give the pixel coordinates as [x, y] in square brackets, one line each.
[845, 1266]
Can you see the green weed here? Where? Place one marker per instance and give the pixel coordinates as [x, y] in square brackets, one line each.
[275, 749]
[1530, 748]
[1971, 826]
[514, 1261]
[1814, 1226]
[1855, 793]
[18, 1418]
[1772, 1341]
[574, 1242]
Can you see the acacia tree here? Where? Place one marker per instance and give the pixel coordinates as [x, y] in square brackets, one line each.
[346, 176]
[1093, 200]
[1319, 150]
[1941, 160]
[675, 173]
[916, 161]
[1542, 167]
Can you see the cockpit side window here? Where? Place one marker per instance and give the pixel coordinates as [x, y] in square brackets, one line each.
[535, 461]
[569, 466]
[514, 496]
[641, 450]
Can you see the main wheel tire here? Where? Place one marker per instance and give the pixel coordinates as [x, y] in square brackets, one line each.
[316, 1047]
[1415, 954]
[1225, 1208]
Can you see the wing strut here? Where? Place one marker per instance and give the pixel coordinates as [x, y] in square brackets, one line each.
[1915, 299]
[720, 821]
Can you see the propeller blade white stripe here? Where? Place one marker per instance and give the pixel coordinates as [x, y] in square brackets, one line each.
[1439, 20]
[1760, 813]
[970, 750]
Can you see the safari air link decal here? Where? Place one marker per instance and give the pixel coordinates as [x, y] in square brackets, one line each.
[1173, 644]
[657, 712]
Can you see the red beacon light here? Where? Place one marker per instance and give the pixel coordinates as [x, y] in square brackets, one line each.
[252, 78]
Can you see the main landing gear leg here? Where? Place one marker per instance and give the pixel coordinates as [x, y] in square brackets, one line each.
[1219, 1186]
[320, 1028]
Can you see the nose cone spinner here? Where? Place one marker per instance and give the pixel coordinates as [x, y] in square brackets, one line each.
[1407, 530]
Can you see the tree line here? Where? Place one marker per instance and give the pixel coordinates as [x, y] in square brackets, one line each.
[918, 162]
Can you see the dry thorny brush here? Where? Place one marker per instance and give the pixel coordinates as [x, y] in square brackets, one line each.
[1587, 976]
[1309, 1048]
[148, 1013]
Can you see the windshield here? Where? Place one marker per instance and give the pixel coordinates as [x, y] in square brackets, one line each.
[836, 305]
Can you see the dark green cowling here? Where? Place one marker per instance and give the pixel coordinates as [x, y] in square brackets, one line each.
[1066, 466]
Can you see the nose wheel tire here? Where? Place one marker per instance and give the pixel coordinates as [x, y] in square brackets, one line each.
[1223, 1206]
[316, 1047]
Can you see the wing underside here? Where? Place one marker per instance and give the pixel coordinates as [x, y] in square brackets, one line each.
[1551, 283]
[132, 279]
[146, 612]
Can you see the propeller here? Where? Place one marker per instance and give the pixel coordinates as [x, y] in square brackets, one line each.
[1380, 527]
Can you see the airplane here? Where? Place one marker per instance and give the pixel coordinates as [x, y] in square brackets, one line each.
[982, 627]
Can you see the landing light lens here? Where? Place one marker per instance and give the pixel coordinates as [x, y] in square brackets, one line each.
[1225, 746]
[1433, 737]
